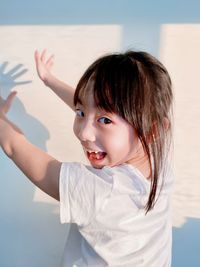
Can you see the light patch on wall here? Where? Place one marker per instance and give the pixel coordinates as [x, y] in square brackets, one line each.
[180, 52]
[45, 119]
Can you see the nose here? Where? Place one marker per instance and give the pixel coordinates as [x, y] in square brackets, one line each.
[85, 131]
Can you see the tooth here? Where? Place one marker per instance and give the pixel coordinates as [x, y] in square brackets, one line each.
[90, 151]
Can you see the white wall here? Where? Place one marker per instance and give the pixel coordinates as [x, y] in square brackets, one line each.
[180, 53]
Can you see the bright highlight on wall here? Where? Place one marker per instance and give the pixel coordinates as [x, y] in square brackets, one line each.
[180, 52]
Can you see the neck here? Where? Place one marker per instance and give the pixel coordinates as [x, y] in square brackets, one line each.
[141, 162]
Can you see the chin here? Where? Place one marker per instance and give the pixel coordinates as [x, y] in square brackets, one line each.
[97, 166]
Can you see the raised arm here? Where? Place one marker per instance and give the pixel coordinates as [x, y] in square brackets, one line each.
[61, 89]
[42, 169]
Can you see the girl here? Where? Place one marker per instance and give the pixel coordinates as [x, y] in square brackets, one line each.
[121, 202]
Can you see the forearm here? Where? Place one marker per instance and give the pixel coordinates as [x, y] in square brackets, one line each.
[8, 132]
[42, 169]
[30, 160]
[62, 90]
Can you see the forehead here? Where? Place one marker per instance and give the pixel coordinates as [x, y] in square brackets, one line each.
[86, 95]
[97, 90]
[87, 100]
[86, 91]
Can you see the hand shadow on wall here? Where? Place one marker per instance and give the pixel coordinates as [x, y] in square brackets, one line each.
[26, 227]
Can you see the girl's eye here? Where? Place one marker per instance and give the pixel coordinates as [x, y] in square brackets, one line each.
[104, 120]
[79, 113]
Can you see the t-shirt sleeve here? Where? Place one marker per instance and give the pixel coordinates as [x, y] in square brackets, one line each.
[82, 193]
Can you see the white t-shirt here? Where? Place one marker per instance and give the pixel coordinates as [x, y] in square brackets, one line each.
[108, 206]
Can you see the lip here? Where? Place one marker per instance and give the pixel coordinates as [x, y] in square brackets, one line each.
[94, 161]
[97, 163]
[86, 149]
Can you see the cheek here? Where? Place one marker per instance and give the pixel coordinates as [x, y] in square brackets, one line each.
[123, 140]
[75, 128]
[117, 140]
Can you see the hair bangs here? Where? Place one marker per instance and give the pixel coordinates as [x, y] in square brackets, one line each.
[107, 79]
[82, 89]
[114, 83]
[104, 92]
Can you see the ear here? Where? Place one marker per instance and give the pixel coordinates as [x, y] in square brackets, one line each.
[166, 123]
[154, 133]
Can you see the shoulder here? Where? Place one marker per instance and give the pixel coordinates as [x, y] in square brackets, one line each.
[83, 191]
[82, 169]
[75, 173]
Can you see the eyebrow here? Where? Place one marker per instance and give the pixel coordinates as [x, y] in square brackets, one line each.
[79, 101]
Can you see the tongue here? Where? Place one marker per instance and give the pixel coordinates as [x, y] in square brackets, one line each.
[99, 155]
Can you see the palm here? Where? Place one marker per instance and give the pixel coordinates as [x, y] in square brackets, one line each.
[43, 70]
[43, 66]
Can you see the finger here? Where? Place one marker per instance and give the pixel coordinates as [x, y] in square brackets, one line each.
[50, 65]
[1, 100]
[11, 96]
[10, 99]
[43, 55]
[49, 62]
[36, 55]
[37, 58]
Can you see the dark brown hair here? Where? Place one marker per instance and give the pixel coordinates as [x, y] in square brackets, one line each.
[137, 87]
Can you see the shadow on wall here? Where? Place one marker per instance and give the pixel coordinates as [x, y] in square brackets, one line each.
[24, 223]
[186, 244]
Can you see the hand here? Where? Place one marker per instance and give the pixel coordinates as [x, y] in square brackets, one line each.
[43, 66]
[5, 104]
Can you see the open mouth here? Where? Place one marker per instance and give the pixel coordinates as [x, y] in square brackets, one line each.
[96, 155]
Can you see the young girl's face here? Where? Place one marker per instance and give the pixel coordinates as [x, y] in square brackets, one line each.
[106, 138]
